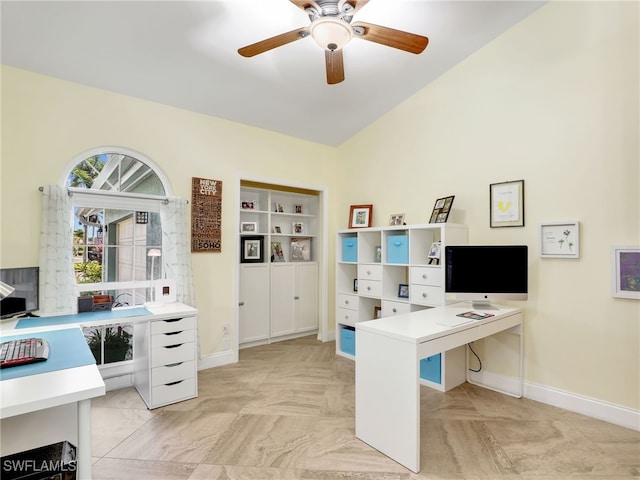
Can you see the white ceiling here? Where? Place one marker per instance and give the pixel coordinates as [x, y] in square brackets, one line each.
[184, 54]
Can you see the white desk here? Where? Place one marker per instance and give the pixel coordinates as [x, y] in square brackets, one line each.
[388, 353]
[50, 407]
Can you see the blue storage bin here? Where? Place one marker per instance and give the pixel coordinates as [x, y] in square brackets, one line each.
[430, 368]
[348, 340]
[397, 249]
[350, 249]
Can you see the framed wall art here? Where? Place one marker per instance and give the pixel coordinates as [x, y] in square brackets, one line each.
[559, 240]
[251, 249]
[403, 290]
[441, 210]
[360, 216]
[506, 204]
[625, 271]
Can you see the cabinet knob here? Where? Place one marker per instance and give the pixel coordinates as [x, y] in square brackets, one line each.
[368, 272]
[296, 298]
[394, 310]
[368, 288]
[424, 275]
[424, 294]
[346, 302]
[240, 304]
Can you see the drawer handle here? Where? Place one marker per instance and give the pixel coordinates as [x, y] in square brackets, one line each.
[171, 365]
[368, 288]
[173, 333]
[424, 275]
[172, 320]
[424, 294]
[296, 297]
[349, 244]
[173, 383]
[240, 304]
[397, 244]
[346, 302]
[174, 346]
[395, 310]
[368, 272]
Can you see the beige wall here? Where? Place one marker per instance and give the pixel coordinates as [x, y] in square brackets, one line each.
[553, 101]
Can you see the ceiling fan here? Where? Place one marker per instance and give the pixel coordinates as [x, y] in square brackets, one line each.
[332, 29]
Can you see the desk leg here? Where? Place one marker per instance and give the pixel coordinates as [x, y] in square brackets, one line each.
[388, 397]
[84, 439]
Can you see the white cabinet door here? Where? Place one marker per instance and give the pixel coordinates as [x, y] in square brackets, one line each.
[283, 302]
[307, 296]
[254, 302]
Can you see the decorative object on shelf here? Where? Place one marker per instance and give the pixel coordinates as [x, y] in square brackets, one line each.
[559, 240]
[625, 263]
[506, 203]
[251, 249]
[297, 228]
[276, 229]
[247, 205]
[297, 208]
[206, 215]
[434, 253]
[248, 227]
[279, 208]
[300, 249]
[441, 210]
[377, 311]
[396, 219]
[377, 254]
[276, 252]
[360, 216]
[355, 284]
[403, 290]
[142, 218]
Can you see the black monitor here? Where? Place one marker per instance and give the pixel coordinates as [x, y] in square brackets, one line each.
[25, 298]
[483, 273]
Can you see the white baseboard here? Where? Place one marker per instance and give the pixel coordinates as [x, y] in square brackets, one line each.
[591, 407]
[217, 360]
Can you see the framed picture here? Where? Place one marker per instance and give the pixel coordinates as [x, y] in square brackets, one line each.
[276, 229]
[279, 208]
[441, 210]
[434, 253]
[251, 249]
[377, 254]
[249, 227]
[297, 228]
[276, 252]
[377, 312]
[247, 205]
[396, 219]
[625, 270]
[506, 204]
[355, 284]
[297, 208]
[559, 240]
[360, 216]
[300, 249]
[403, 290]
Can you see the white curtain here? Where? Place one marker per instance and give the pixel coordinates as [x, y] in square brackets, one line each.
[58, 289]
[176, 251]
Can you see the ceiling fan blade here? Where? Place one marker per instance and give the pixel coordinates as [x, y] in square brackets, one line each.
[409, 42]
[356, 4]
[273, 42]
[335, 66]
[304, 4]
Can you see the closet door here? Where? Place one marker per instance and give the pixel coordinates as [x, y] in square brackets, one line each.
[283, 301]
[254, 302]
[307, 296]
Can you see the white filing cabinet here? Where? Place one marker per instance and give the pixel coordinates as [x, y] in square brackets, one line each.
[165, 353]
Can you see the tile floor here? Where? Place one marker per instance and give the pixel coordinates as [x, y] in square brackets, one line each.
[286, 411]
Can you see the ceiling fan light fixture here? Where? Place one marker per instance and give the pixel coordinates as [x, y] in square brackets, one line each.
[331, 33]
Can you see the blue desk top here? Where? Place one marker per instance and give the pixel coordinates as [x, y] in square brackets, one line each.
[114, 315]
[67, 349]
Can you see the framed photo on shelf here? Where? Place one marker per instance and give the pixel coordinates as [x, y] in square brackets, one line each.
[559, 240]
[506, 204]
[441, 210]
[403, 290]
[396, 219]
[297, 209]
[300, 249]
[279, 208]
[297, 228]
[377, 254]
[277, 229]
[377, 311]
[625, 271]
[360, 216]
[251, 249]
[248, 227]
[276, 252]
[355, 284]
[434, 253]
[247, 205]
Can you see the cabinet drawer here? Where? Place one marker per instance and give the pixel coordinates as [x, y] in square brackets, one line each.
[173, 392]
[369, 272]
[390, 308]
[426, 276]
[426, 295]
[172, 325]
[168, 355]
[347, 301]
[173, 373]
[370, 288]
[173, 338]
[348, 317]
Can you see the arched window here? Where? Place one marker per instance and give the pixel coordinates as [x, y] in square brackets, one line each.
[116, 197]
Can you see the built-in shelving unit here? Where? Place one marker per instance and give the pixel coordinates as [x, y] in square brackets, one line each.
[385, 271]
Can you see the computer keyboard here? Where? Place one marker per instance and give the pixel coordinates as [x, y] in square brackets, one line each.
[23, 351]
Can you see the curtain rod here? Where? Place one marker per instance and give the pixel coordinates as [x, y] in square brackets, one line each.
[159, 198]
